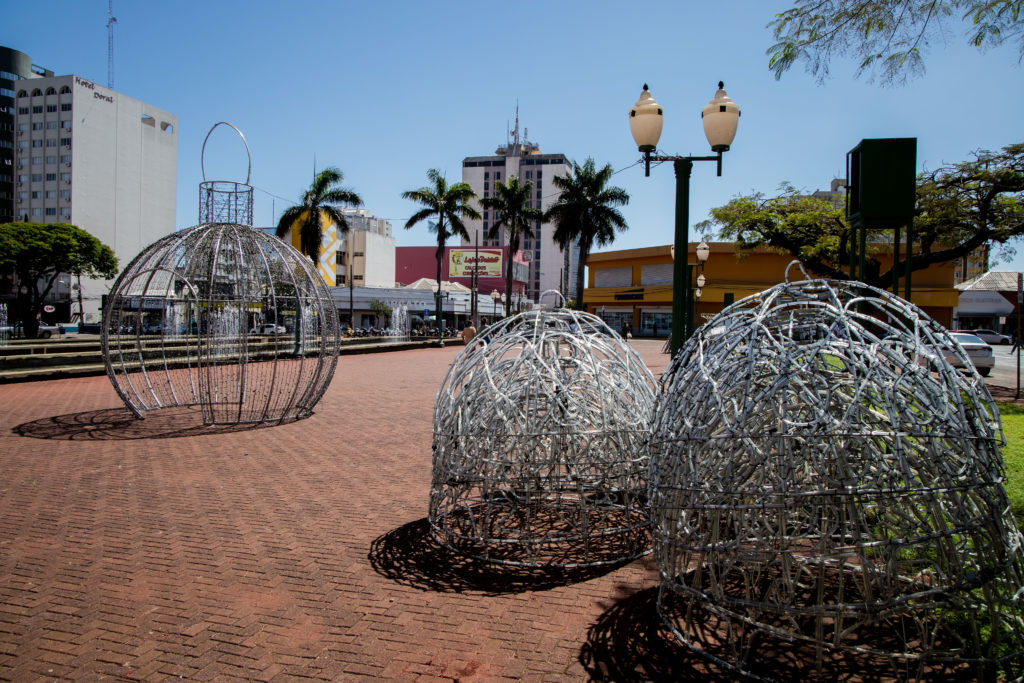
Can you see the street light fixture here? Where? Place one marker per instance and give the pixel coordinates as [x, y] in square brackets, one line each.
[495, 296]
[721, 118]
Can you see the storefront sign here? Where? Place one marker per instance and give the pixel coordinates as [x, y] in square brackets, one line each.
[467, 262]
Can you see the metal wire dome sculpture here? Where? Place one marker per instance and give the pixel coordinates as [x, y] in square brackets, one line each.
[539, 445]
[224, 317]
[820, 475]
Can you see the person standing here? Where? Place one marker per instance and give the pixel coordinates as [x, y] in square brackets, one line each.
[468, 332]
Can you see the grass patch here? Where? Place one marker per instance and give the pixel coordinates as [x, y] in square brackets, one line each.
[1012, 416]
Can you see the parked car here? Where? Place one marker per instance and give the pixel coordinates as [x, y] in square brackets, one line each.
[268, 329]
[45, 331]
[977, 350]
[989, 336]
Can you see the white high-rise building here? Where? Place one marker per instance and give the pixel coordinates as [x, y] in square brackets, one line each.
[92, 157]
[549, 267]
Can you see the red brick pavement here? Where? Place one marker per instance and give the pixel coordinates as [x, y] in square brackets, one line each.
[273, 554]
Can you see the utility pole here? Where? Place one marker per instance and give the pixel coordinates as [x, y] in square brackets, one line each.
[111, 20]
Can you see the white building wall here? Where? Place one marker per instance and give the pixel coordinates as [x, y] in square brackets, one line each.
[122, 175]
[481, 173]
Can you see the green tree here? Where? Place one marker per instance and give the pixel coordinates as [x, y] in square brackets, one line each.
[319, 209]
[511, 204]
[39, 252]
[586, 211]
[381, 310]
[887, 37]
[960, 207]
[450, 205]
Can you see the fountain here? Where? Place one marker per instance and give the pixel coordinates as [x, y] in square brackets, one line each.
[399, 324]
[4, 329]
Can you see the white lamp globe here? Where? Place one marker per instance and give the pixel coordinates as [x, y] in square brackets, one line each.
[720, 116]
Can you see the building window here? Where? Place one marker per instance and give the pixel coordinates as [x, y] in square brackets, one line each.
[37, 109]
[66, 125]
[65, 194]
[65, 90]
[497, 175]
[37, 212]
[66, 106]
[51, 91]
[65, 142]
[51, 176]
[66, 177]
[35, 194]
[65, 212]
[51, 125]
[22, 111]
[529, 175]
[51, 211]
[487, 175]
[65, 159]
[51, 143]
[37, 143]
[51, 159]
[51, 108]
[36, 92]
[23, 179]
[37, 177]
[50, 194]
[37, 160]
[38, 125]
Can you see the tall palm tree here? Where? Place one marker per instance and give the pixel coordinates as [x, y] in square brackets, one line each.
[586, 211]
[512, 210]
[450, 204]
[319, 209]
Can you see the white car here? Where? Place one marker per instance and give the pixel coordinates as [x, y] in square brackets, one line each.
[977, 350]
[991, 336]
[268, 329]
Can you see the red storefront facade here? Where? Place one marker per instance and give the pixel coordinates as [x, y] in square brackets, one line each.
[413, 263]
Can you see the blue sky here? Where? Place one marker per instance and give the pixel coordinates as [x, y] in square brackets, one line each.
[386, 90]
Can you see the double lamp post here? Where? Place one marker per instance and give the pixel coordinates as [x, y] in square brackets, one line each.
[720, 118]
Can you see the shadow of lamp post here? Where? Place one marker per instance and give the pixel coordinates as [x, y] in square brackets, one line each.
[720, 117]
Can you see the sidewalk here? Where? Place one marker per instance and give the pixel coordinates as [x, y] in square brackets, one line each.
[284, 552]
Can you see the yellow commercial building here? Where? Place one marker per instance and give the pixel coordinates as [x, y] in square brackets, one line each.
[634, 286]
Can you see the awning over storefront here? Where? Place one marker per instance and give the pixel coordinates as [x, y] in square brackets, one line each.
[980, 303]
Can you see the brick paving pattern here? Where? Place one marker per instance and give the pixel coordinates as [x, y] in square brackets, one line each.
[297, 551]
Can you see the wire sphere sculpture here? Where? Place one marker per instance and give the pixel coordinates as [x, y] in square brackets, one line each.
[224, 317]
[225, 201]
[539, 445]
[821, 474]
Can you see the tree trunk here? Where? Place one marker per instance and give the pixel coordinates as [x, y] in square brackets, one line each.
[508, 284]
[440, 254]
[584, 252]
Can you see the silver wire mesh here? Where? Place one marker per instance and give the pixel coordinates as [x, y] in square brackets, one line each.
[225, 201]
[820, 474]
[224, 317]
[539, 455]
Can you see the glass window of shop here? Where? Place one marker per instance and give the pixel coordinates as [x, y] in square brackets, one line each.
[656, 323]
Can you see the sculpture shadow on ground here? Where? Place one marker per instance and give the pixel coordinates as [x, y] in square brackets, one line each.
[117, 424]
[411, 556]
[630, 642]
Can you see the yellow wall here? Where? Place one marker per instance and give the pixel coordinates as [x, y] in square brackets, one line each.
[741, 273]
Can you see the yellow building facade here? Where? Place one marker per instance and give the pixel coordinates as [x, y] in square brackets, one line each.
[634, 286]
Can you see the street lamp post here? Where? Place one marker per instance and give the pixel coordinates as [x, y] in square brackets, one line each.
[495, 296]
[720, 117]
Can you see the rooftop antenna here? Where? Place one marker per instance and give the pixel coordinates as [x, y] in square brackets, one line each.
[111, 20]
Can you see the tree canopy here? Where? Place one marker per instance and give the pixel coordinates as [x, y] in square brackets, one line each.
[450, 204]
[960, 207]
[318, 210]
[888, 38]
[39, 252]
[586, 210]
[512, 212]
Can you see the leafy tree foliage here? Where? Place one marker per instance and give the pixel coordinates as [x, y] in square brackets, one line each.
[887, 37]
[319, 209]
[510, 203]
[449, 204]
[381, 310]
[960, 207]
[586, 211]
[39, 252]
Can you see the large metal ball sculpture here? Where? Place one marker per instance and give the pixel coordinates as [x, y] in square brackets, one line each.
[821, 474]
[224, 317]
[539, 445]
